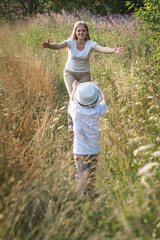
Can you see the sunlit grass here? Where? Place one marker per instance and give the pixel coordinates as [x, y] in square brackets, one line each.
[38, 199]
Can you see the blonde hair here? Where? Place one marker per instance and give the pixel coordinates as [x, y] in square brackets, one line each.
[73, 35]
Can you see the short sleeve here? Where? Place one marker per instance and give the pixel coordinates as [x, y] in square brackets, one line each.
[93, 44]
[69, 42]
[102, 108]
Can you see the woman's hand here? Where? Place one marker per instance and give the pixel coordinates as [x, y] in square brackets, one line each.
[46, 44]
[118, 50]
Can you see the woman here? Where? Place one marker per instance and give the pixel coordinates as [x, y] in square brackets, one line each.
[80, 46]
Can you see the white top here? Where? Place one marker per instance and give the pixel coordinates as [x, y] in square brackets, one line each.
[78, 61]
[86, 127]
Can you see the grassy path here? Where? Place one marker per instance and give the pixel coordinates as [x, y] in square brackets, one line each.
[37, 197]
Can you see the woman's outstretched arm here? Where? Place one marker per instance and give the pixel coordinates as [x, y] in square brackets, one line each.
[117, 50]
[54, 45]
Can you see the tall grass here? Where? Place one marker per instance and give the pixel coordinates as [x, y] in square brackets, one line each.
[38, 199]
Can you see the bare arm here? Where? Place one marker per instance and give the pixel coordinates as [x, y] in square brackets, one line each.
[54, 46]
[74, 85]
[104, 97]
[117, 50]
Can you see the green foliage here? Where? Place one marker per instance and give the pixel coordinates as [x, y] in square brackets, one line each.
[15, 9]
[149, 14]
[12, 10]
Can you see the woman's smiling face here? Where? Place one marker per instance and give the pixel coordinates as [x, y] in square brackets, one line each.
[81, 32]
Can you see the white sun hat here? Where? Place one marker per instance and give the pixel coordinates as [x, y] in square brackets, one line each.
[87, 94]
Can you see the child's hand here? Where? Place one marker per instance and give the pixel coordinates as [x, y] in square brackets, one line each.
[96, 83]
[46, 44]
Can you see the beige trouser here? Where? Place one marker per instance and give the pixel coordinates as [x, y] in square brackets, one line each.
[70, 77]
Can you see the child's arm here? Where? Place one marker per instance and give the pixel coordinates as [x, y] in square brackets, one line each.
[54, 46]
[104, 97]
[74, 85]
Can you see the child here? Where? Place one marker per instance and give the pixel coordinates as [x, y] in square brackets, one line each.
[87, 104]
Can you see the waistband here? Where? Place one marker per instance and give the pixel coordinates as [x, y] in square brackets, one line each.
[77, 73]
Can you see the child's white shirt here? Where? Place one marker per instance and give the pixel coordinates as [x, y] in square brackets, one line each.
[86, 127]
[78, 61]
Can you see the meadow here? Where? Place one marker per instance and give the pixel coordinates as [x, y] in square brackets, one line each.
[37, 195]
